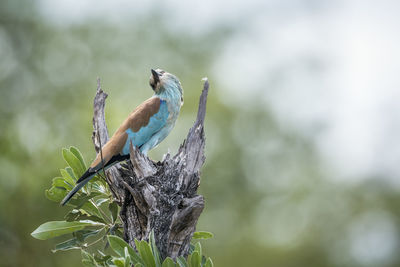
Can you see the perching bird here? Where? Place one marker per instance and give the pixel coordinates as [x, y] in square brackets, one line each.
[145, 127]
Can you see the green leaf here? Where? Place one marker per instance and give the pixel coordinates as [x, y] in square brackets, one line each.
[75, 243]
[73, 215]
[137, 244]
[209, 263]
[67, 177]
[88, 259]
[118, 232]
[119, 245]
[120, 262]
[126, 252]
[168, 262]
[79, 156]
[181, 261]
[101, 200]
[99, 185]
[91, 209]
[73, 162]
[195, 259]
[71, 173]
[198, 249]
[203, 260]
[154, 248]
[146, 254]
[113, 207]
[202, 235]
[77, 215]
[127, 257]
[82, 199]
[191, 248]
[57, 228]
[59, 188]
[67, 245]
[55, 194]
[102, 259]
[61, 182]
[83, 234]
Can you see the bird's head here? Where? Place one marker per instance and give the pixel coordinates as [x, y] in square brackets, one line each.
[162, 81]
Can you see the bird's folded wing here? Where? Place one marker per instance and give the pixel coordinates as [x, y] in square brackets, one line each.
[146, 120]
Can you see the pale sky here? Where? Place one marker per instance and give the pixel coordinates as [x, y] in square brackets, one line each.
[328, 69]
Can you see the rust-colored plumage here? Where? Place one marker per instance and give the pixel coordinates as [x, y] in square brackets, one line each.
[139, 118]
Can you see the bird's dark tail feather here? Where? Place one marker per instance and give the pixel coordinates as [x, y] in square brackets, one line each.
[88, 175]
[80, 183]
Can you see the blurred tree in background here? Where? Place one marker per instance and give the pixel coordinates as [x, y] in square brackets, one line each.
[269, 200]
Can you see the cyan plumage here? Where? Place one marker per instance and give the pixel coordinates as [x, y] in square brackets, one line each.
[145, 127]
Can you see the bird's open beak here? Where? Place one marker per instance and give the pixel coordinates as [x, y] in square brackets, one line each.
[155, 76]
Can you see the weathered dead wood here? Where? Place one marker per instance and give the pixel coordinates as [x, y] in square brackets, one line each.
[100, 132]
[159, 196]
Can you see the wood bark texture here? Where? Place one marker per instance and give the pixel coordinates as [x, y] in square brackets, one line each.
[157, 196]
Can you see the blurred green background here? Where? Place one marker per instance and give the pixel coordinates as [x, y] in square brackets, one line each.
[302, 119]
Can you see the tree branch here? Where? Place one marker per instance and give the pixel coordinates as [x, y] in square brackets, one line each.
[100, 132]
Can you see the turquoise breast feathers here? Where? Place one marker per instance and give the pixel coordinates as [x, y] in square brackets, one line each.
[141, 137]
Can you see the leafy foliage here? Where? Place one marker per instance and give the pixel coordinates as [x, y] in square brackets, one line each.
[149, 256]
[96, 227]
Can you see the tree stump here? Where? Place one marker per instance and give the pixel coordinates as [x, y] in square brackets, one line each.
[157, 196]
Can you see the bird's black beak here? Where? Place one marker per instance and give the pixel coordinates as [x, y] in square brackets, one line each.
[155, 76]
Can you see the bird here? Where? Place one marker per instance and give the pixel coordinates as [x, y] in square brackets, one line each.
[146, 126]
